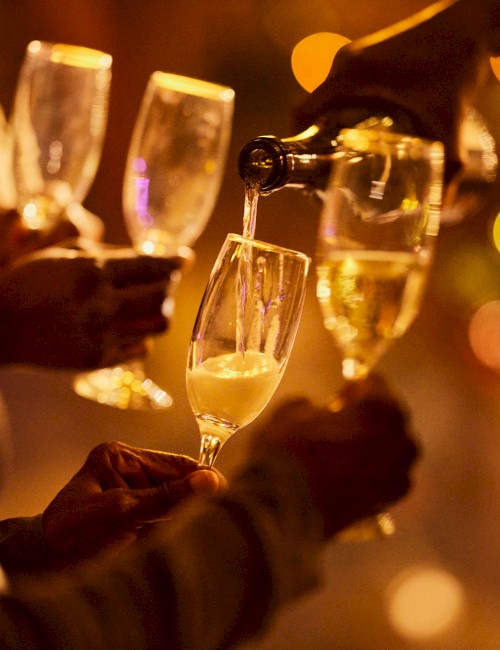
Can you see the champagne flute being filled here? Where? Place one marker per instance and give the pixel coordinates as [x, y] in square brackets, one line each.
[376, 239]
[243, 336]
[173, 174]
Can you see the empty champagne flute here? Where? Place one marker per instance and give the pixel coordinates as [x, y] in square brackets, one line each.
[58, 125]
[174, 169]
[376, 239]
[243, 336]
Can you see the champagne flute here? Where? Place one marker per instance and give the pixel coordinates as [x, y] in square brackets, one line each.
[376, 239]
[243, 336]
[173, 173]
[58, 126]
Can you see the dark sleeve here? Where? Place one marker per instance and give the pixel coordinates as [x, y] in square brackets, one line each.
[211, 579]
[21, 544]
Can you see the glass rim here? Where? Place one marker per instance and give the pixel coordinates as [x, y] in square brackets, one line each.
[77, 56]
[192, 86]
[262, 245]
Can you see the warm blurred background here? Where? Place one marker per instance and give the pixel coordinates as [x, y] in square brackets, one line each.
[435, 584]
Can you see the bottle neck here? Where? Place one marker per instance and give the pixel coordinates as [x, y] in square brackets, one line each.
[268, 163]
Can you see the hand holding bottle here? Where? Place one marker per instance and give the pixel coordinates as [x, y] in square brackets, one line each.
[423, 72]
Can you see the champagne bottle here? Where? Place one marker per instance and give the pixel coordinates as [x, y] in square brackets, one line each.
[422, 74]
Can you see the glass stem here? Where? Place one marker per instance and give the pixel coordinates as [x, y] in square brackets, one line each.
[353, 369]
[209, 449]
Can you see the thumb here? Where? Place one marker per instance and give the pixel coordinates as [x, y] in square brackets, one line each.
[156, 503]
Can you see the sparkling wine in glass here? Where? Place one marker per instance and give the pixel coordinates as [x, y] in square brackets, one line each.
[243, 336]
[174, 169]
[376, 239]
[58, 126]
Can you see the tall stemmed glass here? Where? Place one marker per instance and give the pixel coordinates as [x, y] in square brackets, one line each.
[174, 169]
[375, 246]
[58, 124]
[243, 336]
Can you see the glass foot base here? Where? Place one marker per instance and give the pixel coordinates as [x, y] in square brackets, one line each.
[122, 388]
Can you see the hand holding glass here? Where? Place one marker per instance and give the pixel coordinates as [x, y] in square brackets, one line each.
[243, 336]
[376, 240]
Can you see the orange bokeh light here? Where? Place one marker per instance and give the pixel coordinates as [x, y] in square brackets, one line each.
[484, 334]
[312, 58]
[495, 66]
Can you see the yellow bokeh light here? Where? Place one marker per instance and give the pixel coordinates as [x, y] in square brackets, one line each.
[496, 232]
[312, 58]
[495, 66]
[424, 602]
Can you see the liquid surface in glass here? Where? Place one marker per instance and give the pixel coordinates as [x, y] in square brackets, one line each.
[367, 299]
[228, 391]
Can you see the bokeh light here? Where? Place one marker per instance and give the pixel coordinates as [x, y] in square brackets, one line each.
[484, 334]
[3, 581]
[468, 275]
[424, 602]
[495, 232]
[312, 58]
[495, 66]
